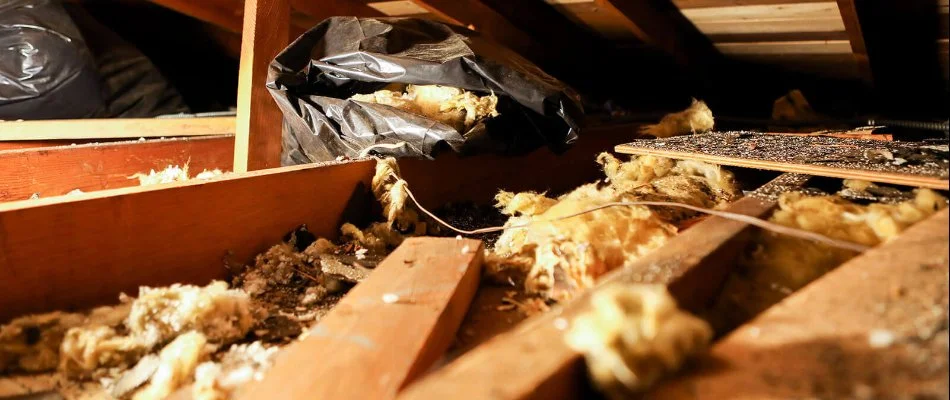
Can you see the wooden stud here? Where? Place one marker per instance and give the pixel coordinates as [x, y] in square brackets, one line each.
[57, 170]
[533, 362]
[114, 128]
[869, 329]
[266, 32]
[79, 251]
[386, 331]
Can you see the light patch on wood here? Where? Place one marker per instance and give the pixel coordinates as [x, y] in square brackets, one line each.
[398, 8]
[777, 18]
[796, 47]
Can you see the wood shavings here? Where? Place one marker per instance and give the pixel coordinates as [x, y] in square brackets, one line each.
[633, 335]
[697, 118]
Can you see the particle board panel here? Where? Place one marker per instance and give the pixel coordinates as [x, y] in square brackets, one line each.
[814, 155]
[873, 328]
[57, 170]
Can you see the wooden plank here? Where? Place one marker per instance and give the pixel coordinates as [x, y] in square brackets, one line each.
[533, 362]
[78, 251]
[869, 329]
[772, 26]
[57, 170]
[257, 143]
[386, 331]
[686, 4]
[852, 23]
[660, 23]
[114, 128]
[321, 10]
[763, 151]
[784, 48]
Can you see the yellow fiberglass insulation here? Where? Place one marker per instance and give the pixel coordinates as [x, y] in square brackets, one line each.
[558, 257]
[457, 108]
[780, 264]
[633, 335]
[697, 118]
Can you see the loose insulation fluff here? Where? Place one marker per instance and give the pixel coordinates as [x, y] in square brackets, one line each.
[558, 253]
[458, 108]
[781, 264]
[633, 335]
[698, 118]
[172, 173]
[177, 363]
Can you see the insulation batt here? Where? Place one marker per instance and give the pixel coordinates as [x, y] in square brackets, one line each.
[455, 107]
[698, 118]
[557, 258]
[633, 335]
[780, 264]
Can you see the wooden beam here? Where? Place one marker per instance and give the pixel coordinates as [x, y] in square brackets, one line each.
[79, 251]
[386, 331]
[533, 361]
[852, 25]
[224, 14]
[660, 23]
[114, 128]
[770, 152]
[321, 10]
[487, 21]
[53, 171]
[266, 32]
[869, 329]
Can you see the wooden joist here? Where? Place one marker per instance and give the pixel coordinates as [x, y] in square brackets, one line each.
[387, 331]
[56, 170]
[484, 19]
[533, 362]
[225, 14]
[78, 251]
[870, 329]
[814, 155]
[114, 128]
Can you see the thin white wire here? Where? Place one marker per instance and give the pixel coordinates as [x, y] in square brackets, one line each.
[771, 226]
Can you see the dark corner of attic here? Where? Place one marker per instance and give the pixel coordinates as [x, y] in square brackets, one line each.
[479, 199]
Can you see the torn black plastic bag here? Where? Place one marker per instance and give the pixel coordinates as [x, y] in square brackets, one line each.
[46, 70]
[313, 78]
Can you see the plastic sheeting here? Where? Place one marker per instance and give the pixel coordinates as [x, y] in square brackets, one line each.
[312, 79]
[46, 70]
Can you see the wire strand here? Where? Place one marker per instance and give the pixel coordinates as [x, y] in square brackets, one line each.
[758, 222]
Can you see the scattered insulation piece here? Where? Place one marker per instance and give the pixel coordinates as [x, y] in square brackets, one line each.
[780, 265]
[794, 107]
[697, 118]
[158, 315]
[178, 361]
[240, 365]
[31, 343]
[172, 173]
[557, 258]
[633, 335]
[458, 108]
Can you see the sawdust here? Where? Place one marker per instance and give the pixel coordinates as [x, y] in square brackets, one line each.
[633, 335]
[697, 118]
[557, 258]
[457, 108]
[777, 265]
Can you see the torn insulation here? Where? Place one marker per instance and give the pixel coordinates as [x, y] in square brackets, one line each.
[697, 118]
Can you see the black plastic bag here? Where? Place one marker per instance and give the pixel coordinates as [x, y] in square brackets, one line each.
[312, 79]
[46, 70]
